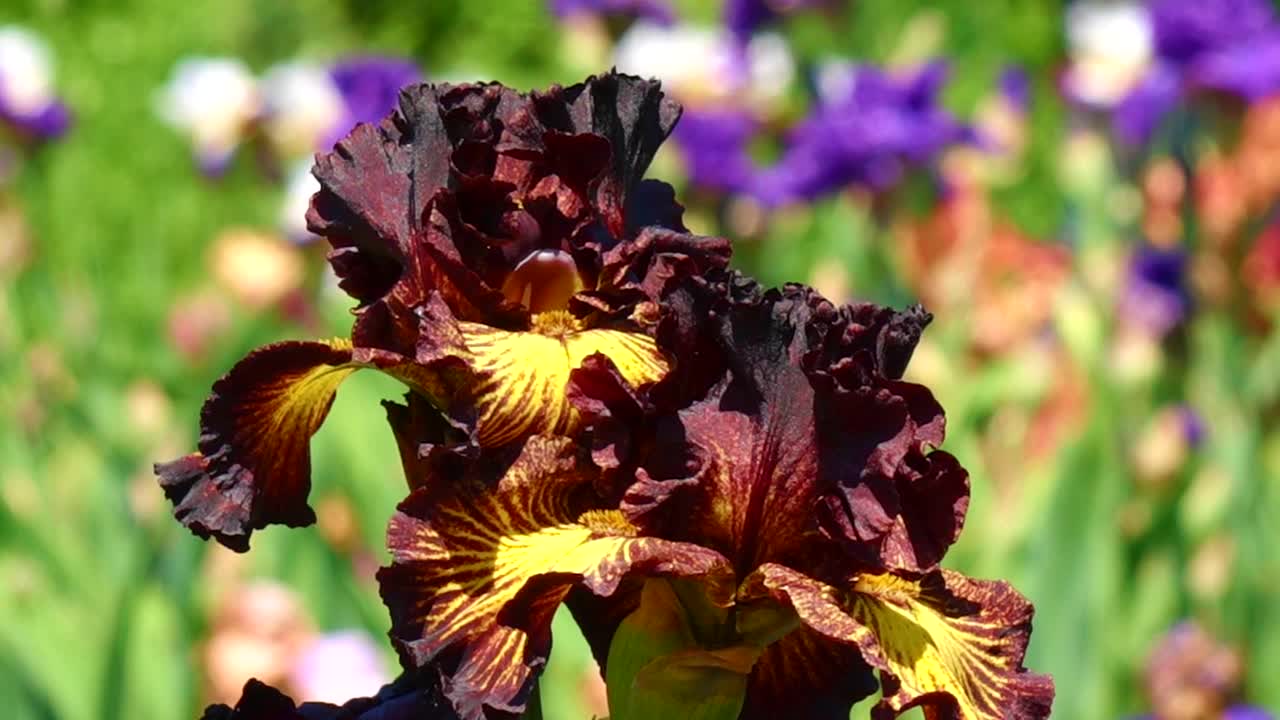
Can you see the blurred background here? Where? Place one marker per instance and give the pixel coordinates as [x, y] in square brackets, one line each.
[1083, 193]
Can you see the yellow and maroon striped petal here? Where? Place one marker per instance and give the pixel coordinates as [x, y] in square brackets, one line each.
[950, 644]
[521, 378]
[253, 467]
[478, 569]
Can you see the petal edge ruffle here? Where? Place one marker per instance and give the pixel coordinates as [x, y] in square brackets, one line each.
[253, 466]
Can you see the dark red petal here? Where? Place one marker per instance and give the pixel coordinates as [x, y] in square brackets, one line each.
[378, 188]
[460, 184]
[404, 699]
[609, 405]
[258, 701]
[632, 114]
[872, 433]
[651, 266]
[934, 496]
[366, 205]
[757, 477]
[806, 675]
[253, 468]
[653, 203]
[431, 445]
[798, 412]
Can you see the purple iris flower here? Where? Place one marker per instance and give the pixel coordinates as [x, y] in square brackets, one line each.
[1184, 30]
[1246, 712]
[1015, 87]
[370, 88]
[744, 17]
[27, 103]
[1156, 297]
[1138, 115]
[656, 11]
[867, 132]
[1248, 70]
[48, 123]
[714, 144]
[1193, 427]
[1231, 46]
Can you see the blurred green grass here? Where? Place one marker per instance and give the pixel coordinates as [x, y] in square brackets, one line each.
[102, 605]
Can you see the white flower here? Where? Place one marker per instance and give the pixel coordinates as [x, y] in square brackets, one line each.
[299, 187]
[301, 107]
[213, 100]
[1111, 47]
[26, 71]
[705, 65]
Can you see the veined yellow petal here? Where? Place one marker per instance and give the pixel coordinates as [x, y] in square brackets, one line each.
[253, 467]
[522, 376]
[482, 569]
[947, 633]
[944, 641]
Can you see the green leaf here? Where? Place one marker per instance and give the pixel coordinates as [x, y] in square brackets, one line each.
[657, 668]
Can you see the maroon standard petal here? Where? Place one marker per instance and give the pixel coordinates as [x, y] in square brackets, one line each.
[463, 186]
[803, 414]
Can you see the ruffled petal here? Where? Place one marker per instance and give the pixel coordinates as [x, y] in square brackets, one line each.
[934, 498]
[253, 467]
[479, 567]
[650, 266]
[430, 444]
[631, 114]
[945, 642]
[452, 191]
[802, 428]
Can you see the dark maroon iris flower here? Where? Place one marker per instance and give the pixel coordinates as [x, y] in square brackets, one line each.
[601, 414]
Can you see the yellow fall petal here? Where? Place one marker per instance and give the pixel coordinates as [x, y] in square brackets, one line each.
[484, 567]
[962, 637]
[253, 468]
[523, 375]
[950, 643]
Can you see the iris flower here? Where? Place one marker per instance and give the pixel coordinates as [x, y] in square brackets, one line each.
[213, 100]
[868, 129]
[795, 513]
[1155, 298]
[601, 414]
[309, 107]
[744, 17]
[1230, 46]
[28, 105]
[493, 241]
